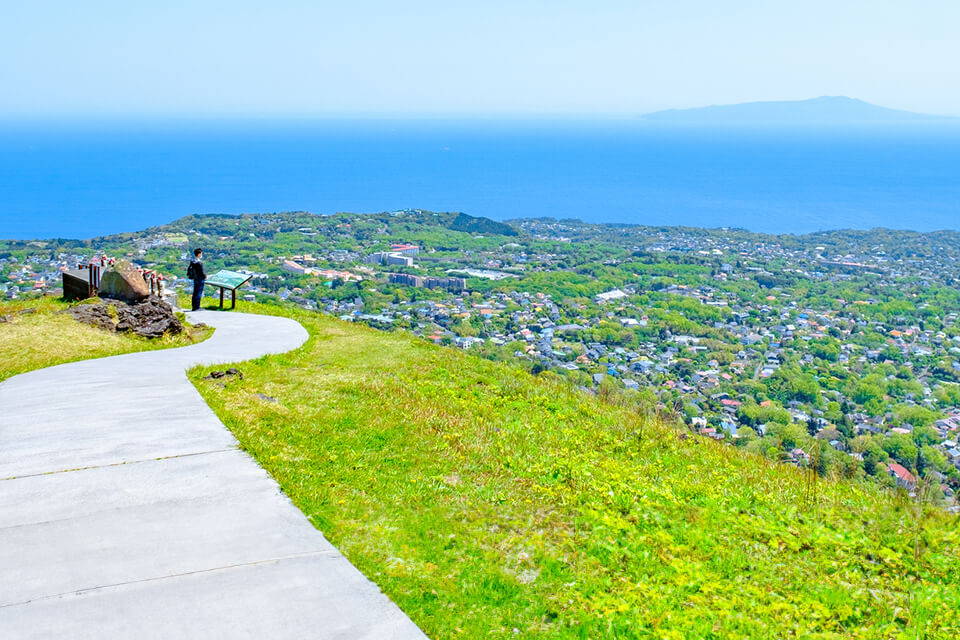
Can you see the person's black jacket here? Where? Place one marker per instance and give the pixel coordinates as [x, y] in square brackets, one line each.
[197, 269]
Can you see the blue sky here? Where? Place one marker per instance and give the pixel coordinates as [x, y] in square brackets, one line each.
[368, 57]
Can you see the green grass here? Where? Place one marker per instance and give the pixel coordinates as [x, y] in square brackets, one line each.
[39, 334]
[488, 503]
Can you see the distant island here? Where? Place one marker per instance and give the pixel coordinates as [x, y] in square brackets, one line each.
[823, 110]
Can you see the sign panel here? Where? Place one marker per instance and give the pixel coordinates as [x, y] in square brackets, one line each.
[228, 279]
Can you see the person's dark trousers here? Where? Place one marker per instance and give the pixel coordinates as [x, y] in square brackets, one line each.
[197, 294]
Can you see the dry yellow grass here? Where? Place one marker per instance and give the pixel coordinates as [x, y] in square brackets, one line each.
[37, 334]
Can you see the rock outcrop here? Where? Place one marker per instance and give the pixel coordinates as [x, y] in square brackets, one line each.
[95, 314]
[124, 282]
[150, 317]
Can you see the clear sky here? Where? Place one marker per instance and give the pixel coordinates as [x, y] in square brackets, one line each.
[379, 57]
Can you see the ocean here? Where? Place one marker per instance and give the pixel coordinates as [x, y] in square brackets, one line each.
[83, 180]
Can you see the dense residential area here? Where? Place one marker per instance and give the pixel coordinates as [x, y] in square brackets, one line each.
[836, 351]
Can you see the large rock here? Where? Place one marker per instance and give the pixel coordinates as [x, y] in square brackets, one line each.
[96, 314]
[122, 281]
[150, 318]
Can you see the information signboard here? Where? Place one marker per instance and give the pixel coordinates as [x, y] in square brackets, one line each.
[229, 280]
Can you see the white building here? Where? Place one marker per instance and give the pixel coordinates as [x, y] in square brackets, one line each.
[607, 296]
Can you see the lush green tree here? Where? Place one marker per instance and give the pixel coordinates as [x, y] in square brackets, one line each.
[901, 448]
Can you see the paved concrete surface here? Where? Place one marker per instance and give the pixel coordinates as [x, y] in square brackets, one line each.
[126, 510]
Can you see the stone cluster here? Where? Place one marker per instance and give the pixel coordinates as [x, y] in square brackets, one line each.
[150, 317]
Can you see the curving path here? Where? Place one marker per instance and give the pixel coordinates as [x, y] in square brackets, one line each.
[126, 510]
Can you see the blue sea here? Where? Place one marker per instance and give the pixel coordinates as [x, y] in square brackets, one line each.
[82, 180]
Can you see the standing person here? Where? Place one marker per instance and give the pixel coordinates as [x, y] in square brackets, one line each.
[196, 273]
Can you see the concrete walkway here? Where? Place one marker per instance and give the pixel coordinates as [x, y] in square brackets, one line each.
[127, 511]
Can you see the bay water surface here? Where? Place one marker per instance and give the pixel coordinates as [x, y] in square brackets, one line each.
[82, 180]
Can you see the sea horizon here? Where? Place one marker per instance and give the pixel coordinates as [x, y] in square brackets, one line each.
[88, 178]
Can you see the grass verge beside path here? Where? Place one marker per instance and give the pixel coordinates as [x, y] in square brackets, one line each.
[37, 334]
[488, 503]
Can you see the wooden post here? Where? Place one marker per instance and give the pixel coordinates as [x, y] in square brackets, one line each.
[221, 297]
[233, 301]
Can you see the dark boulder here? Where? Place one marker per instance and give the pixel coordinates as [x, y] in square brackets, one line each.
[95, 314]
[150, 318]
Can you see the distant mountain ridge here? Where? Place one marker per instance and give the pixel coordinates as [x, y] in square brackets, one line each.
[825, 109]
[479, 224]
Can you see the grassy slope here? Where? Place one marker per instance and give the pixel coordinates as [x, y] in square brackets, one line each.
[487, 503]
[44, 336]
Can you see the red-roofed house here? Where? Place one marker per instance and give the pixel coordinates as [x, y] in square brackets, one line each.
[405, 249]
[904, 478]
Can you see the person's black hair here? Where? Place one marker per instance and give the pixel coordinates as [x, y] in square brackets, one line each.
[197, 252]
